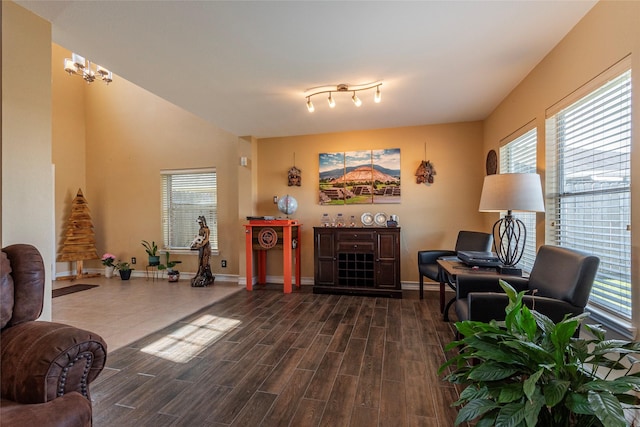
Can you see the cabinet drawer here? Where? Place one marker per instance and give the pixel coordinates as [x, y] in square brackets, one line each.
[356, 246]
[355, 235]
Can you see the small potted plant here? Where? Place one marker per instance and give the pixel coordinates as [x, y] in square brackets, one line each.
[152, 250]
[107, 260]
[529, 371]
[124, 269]
[172, 274]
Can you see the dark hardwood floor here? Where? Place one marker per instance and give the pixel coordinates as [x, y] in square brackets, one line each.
[264, 358]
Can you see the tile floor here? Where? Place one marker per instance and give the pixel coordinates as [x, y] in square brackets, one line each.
[124, 311]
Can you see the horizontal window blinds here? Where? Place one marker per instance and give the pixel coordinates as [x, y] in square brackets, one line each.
[588, 187]
[519, 156]
[186, 195]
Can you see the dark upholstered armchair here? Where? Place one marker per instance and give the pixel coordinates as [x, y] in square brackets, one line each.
[46, 366]
[562, 279]
[467, 241]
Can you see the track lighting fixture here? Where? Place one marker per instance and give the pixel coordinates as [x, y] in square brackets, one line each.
[343, 87]
[79, 66]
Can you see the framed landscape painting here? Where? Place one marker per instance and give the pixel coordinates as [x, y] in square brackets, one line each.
[359, 177]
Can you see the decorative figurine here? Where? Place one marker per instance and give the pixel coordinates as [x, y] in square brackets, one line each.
[201, 243]
[295, 177]
[425, 172]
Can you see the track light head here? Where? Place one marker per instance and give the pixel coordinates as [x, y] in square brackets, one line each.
[378, 95]
[310, 105]
[332, 102]
[356, 100]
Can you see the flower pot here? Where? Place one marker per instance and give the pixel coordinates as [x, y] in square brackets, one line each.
[154, 260]
[125, 274]
[108, 271]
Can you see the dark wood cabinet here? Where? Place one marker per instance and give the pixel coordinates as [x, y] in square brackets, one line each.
[357, 260]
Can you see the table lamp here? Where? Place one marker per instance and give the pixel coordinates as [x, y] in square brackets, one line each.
[511, 192]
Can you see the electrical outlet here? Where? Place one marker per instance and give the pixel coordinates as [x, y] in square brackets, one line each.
[133, 260]
[224, 263]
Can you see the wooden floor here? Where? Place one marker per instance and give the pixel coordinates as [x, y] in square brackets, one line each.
[263, 358]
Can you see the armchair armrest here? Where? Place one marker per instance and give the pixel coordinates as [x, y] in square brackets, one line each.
[466, 283]
[487, 306]
[554, 309]
[430, 256]
[44, 360]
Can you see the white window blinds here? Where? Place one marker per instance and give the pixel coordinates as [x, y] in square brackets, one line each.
[588, 189]
[187, 194]
[519, 156]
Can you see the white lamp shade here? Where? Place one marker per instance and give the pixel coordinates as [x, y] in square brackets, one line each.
[512, 192]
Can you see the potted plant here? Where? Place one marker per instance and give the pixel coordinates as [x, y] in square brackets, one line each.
[152, 250]
[107, 260]
[529, 371]
[124, 269]
[172, 274]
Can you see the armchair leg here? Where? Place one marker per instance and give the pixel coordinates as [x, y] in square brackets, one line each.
[421, 287]
[446, 309]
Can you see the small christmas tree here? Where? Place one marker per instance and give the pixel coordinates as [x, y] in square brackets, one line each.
[80, 242]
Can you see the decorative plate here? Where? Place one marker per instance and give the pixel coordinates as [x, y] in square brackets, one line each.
[367, 218]
[381, 219]
[492, 162]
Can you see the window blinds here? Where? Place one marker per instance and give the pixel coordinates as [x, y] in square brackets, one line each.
[186, 195]
[519, 156]
[588, 188]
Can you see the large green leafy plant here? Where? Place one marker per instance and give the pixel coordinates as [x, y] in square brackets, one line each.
[529, 371]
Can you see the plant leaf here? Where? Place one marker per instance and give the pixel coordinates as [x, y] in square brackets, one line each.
[510, 393]
[532, 409]
[491, 372]
[529, 385]
[475, 409]
[578, 403]
[555, 391]
[511, 415]
[607, 408]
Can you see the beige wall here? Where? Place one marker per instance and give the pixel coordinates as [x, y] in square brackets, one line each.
[114, 146]
[69, 145]
[27, 178]
[430, 216]
[608, 33]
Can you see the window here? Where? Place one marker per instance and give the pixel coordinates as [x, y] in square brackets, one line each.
[589, 191]
[186, 195]
[519, 156]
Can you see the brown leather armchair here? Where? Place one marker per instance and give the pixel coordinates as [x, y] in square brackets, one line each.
[46, 367]
[562, 278]
[467, 241]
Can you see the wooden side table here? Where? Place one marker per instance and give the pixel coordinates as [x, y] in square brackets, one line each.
[262, 236]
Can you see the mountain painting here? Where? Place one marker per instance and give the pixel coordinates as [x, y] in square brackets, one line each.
[360, 177]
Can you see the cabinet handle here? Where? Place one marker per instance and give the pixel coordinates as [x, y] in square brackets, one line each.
[355, 246]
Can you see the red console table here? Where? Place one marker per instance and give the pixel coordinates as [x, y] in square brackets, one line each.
[262, 235]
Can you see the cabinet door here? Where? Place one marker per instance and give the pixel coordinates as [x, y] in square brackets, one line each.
[325, 265]
[388, 260]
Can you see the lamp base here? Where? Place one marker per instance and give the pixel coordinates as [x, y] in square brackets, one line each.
[509, 270]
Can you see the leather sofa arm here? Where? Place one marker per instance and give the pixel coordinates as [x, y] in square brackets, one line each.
[466, 283]
[72, 409]
[430, 257]
[44, 360]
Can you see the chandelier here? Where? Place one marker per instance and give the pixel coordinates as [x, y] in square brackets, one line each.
[343, 87]
[79, 66]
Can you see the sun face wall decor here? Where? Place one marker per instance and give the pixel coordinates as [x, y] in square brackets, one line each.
[359, 177]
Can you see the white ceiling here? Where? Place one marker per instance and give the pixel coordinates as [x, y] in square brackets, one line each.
[244, 66]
